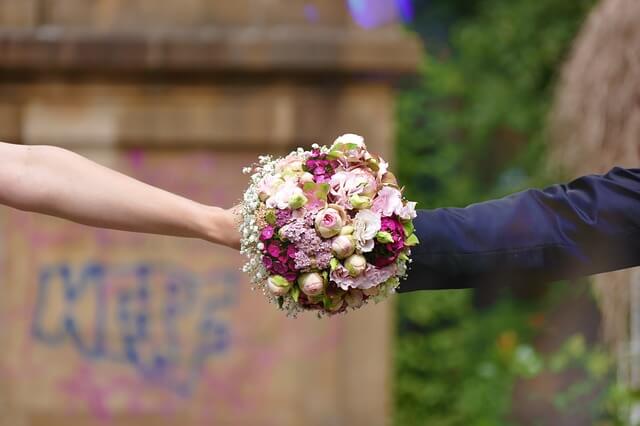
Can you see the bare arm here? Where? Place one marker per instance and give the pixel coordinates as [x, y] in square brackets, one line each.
[57, 182]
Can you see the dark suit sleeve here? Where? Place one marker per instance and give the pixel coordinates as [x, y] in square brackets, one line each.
[588, 226]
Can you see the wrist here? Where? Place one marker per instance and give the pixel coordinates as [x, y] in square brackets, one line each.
[219, 227]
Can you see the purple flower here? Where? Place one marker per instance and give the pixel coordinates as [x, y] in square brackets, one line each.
[291, 276]
[382, 261]
[321, 168]
[282, 217]
[302, 261]
[267, 262]
[291, 264]
[267, 233]
[274, 249]
[279, 268]
[323, 259]
[396, 247]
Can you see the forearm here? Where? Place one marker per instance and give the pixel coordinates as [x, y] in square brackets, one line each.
[589, 226]
[60, 183]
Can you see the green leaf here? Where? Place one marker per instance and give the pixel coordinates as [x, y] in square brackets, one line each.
[350, 146]
[317, 191]
[408, 227]
[412, 241]
[326, 302]
[270, 217]
[309, 187]
[335, 154]
[295, 293]
[334, 263]
[384, 237]
[322, 191]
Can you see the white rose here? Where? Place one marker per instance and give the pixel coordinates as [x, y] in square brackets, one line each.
[349, 138]
[407, 211]
[366, 225]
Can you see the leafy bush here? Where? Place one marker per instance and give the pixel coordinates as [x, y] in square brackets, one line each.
[472, 128]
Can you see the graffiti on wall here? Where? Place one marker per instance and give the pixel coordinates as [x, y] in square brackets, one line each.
[166, 322]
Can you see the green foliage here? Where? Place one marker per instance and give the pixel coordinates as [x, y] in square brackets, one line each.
[455, 365]
[472, 128]
[474, 125]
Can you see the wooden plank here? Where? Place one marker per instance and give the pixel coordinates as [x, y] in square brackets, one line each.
[274, 116]
[288, 51]
[128, 15]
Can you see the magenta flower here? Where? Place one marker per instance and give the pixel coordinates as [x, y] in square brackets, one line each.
[291, 276]
[267, 233]
[291, 264]
[382, 261]
[291, 251]
[267, 262]
[279, 268]
[273, 249]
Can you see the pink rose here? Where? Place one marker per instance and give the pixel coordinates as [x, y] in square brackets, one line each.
[371, 277]
[329, 222]
[388, 201]
[346, 184]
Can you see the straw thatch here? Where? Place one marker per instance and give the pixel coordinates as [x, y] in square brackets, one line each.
[595, 122]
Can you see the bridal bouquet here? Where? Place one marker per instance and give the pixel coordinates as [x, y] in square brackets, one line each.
[326, 229]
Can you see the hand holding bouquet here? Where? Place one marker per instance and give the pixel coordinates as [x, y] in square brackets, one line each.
[326, 229]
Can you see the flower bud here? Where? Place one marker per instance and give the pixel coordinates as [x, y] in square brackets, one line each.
[354, 298]
[297, 201]
[360, 202]
[346, 230]
[306, 178]
[278, 285]
[343, 246]
[311, 284]
[384, 237]
[355, 264]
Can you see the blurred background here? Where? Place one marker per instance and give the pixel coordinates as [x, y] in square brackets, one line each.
[471, 100]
